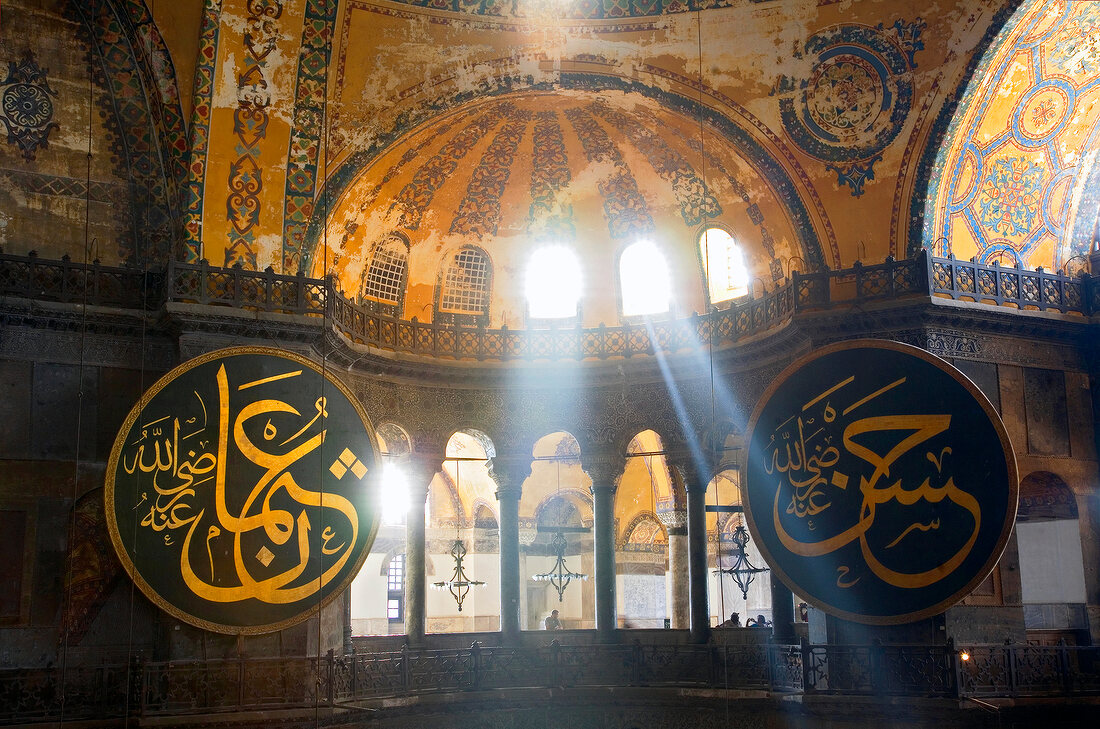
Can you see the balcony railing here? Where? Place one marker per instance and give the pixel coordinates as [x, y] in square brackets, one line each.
[159, 688]
[266, 291]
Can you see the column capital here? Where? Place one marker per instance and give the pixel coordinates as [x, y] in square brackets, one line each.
[605, 468]
[509, 472]
[420, 469]
[673, 519]
[695, 475]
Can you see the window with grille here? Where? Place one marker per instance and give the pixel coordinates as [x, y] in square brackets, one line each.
[466, 285]
[395, 587]
[384, 281]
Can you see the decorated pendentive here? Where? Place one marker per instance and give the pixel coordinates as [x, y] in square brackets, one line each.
[856, 98]
[241, 494]
[881, 484]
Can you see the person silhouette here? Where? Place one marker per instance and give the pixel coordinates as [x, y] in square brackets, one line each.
[733, 622]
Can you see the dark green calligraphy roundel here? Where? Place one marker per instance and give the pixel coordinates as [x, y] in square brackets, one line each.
[881, 484]
[241, 493]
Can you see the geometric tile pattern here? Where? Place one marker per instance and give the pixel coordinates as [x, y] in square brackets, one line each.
[39, 184]
[1011, 181]
[309, 117]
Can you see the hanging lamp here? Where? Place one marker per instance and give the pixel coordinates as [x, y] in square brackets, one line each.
[459, 585]
[559, 575]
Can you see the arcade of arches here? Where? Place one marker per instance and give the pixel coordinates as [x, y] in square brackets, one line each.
[557, 249]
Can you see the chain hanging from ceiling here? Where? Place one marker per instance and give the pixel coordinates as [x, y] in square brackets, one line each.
[460, 583]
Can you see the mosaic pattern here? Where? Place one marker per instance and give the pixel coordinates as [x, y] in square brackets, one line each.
[696, 202]
[202, 105]
[26, 106]
[410, 154]
[143, 120]
[857, 98]
[415, 197]
[479, 212]
[94, 568]
[250, 120]
[548, 217]
[1011, 182]
[623, 204]
[55, 186]
[756, 215]
[155, 64]
[552, 168]
[305, 139]
[571, 9]
[1009, 199]
[735, 127]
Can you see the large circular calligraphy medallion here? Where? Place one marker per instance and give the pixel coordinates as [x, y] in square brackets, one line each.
[241, 493]
[881, 484]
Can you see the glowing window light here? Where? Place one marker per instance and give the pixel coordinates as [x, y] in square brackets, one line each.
[553, 283]
[643, 276]
[727, 275]
[395, 495]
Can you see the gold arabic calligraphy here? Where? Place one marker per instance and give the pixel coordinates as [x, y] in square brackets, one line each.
[805, 450]
[177, 477]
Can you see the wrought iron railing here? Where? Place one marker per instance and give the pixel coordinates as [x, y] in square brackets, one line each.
[1029, 671]
[1015, 287]
[159, 688]
[68, 281]
[923, 276]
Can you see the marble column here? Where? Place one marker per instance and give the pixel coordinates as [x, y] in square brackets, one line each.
[419, 471]
[675, 523]
[605, 470]
[695, 486]
[782, 612]
[509, 474]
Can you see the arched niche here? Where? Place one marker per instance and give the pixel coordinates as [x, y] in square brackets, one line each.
[1052, 576]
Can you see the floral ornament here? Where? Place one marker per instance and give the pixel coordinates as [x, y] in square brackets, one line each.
[1010, 195]
[26, 109]
[856, 99]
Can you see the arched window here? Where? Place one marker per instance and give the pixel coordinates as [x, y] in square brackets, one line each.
[553, 284]
[383, 287]
[464, 294]
[724, 264]
[395, 589]
[643, 280]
